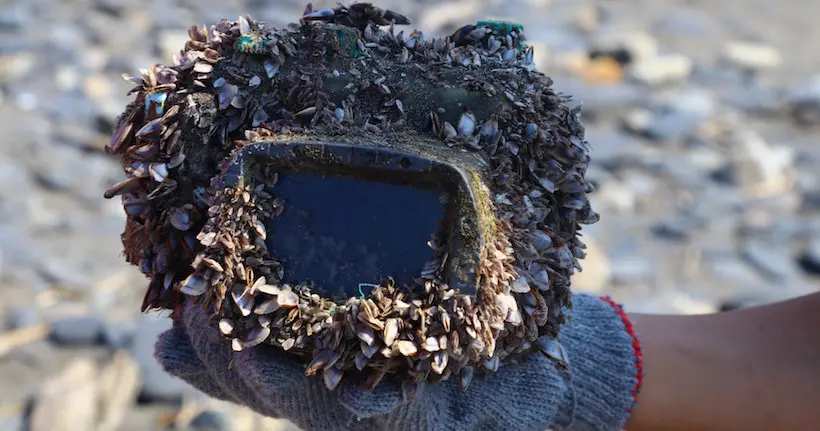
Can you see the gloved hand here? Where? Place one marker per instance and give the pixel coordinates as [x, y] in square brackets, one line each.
[597, 393]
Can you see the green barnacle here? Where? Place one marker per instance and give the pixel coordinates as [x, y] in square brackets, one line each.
[504, 27]
[253, 43]
[347, 38]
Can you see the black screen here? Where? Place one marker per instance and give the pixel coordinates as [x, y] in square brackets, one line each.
[338, 231]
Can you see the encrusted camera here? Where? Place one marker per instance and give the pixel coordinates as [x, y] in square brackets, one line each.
[374, 202]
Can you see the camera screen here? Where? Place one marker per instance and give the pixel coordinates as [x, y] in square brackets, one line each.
[338, 231]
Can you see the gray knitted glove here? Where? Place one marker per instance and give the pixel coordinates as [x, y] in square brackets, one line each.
[597, 393]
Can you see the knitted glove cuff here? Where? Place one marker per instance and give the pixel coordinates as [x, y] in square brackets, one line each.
[606, 366]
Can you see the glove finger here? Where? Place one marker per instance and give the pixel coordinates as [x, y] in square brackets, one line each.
[176, 355]
[216, 354]
[273, 375]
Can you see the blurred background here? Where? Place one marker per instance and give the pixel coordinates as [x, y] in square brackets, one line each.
[703, 118]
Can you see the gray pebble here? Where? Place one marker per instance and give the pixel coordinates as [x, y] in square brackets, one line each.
[23, 317]
[64, 273]
[752, 56]
[810, 258]
[629, 269]
[662, 69]
[13, 423]
[754, 99]
[677, 229]
[774, 263]
[157, 385]
[64, 175]
[754, 161]
[609, 148]
[16, 251]
[806, 112]
[15, 15]
[685, 22]
[727, 266]
[77, 331]
[119, 335]
[597, 99]
[805, 103]
[634, 45]
[677, 115]
[211, 420]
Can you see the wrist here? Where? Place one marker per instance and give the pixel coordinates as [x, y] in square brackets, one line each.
[606, 365]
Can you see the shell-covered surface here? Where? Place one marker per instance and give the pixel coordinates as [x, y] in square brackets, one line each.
[349, 74]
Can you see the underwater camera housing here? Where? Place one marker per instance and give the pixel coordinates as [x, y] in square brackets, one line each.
[372, 202]
[354, 216]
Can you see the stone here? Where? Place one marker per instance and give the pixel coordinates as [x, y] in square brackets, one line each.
[67, 401]
[809, 260]
[67, 78]
[87, 396]
[806, 112]
[638, 120]
[684, 302]
[15, 15]
[731, 269]
[171, 42]
[752, 56]
[77, 331]
[15, 252]
[642, 185]
[115, 7]
[753, 98]
[119, 335]
[14, 67]
[662, 69]
[117, 387]
[608, 147]
[732, 304]
[452, 13]
[673, 116]
[688, 23]
[754, 162]
[704, 159]
[26, 100]
[596, 275]
[614, 197]
[64, 273]
[23, 316]
[804, 101]
[211, 420]
[599, 98]
[678, 228]
[601, 71]
[168, 14]
[157, 385]
[12, 423]
[65, 175]
[629, 269]
[98, 87]
[774, 263]
[627, 46]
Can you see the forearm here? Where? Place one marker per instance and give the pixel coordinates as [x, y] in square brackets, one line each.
[757, 368]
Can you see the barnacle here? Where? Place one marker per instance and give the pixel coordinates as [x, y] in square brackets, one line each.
[339, 76]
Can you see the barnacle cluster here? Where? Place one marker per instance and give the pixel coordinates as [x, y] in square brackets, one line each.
[346, 73]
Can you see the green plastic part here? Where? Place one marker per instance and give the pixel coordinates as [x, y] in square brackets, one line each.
[347, 40]
[501, 26]
[504, 27]
[253, 43]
